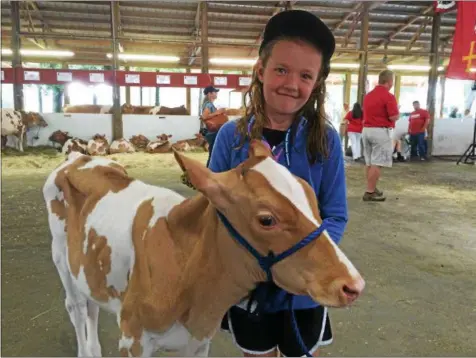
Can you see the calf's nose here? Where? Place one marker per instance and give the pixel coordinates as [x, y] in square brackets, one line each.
[350, 291]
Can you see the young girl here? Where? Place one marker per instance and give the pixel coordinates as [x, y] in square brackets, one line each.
[287, 111]
[354, 130]
[208, 111]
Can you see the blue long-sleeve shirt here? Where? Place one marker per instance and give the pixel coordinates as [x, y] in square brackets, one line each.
[326, 177]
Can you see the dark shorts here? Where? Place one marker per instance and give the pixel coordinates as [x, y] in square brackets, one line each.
[274, 330]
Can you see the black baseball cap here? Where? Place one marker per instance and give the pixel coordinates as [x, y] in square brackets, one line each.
[301, 24]
[210, 89]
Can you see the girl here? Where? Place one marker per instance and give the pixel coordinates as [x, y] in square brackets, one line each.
[354, 130]
[286, 110]
[208, 111]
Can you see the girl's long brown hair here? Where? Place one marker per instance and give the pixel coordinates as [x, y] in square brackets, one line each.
[313, 110]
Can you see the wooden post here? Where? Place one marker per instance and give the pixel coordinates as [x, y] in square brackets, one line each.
[66, 99]
[363, 57]
[117, 131]
[347, 88]
[188, 96]
[128, 89]
[398, 84]
[442, 85]
[433, 77]
[16, 59]
[204, 35]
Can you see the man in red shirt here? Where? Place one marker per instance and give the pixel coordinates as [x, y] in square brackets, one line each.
[417, 126]
[380, 114]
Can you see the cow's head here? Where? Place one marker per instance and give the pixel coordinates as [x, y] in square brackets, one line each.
[59, 137]
[164, 137]
[274, 210]
[127, 108]
[33, 119]
[100, 138]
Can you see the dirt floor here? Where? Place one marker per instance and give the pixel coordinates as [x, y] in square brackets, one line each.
[417, 252]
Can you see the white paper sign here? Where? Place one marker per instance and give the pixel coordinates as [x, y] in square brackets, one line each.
[3, 76]
[220, 81]
[64, 76]
[163, 79]
[96, 77]
[31, 75]
[190, 80]
[132, 78]
[244, 81]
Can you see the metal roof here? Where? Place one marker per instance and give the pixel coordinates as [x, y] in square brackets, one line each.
[234, 28]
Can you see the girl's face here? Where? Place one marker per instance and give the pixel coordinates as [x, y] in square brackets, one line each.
[212, 96]
[289, 76]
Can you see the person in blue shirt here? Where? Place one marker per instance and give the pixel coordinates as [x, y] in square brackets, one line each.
[208, 111]
[286, 111]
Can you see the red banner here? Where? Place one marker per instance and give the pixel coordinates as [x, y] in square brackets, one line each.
[462, 64]
[444, 6]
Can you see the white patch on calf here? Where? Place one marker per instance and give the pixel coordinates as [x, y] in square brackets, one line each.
[105, 109]
[155, 110]
[343, 258]
[121, 208]
[287, 185]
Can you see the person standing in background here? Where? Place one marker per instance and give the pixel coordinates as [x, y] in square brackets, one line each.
[417, 127]
[354, 130]
[380, 114]
[208, 111]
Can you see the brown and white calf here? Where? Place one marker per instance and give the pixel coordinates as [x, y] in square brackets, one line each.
[75, 145]
[166, 266]
[198, 142]
[16, 123]
[160, 145]
[98, 145]
[121, 146]
[87, 108]
[176, 111]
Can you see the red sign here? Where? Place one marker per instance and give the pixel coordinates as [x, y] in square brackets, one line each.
[462, 64]
[444, 6]
[124, 78]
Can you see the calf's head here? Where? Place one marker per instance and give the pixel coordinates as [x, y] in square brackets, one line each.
[274, 210]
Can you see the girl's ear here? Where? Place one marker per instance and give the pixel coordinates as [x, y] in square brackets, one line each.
[260, 70]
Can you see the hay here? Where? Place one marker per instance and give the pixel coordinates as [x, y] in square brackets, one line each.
[47, 158]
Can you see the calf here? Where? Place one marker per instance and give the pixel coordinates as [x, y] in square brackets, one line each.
[87, 108]
[181, 146]
[169, 267]
[121, 146]
[59, 137]
[16, 123]
[75, 145]
[161, 145]
[198, 142]
[139, 141]
[98, 145]
[177, 111]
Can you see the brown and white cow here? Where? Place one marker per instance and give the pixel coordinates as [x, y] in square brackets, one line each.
[198, 142]
[121, 146]
[139, 141]
[16, 123]
[166, 266]
[59, 137]
[98, 145]
[130, 109]
[181, 146]
[75, 145]
[160, 145]
[176, 111]
[87, 108]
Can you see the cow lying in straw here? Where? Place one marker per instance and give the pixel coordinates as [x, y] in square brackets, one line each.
[167, 266]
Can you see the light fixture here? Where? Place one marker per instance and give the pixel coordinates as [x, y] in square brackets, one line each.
[345, 65]
[39, 53]
[233, 61]
[139, 57]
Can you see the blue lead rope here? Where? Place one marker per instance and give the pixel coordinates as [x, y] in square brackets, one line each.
[262, 291]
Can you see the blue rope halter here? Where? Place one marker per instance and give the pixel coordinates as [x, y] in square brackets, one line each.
[266, 262]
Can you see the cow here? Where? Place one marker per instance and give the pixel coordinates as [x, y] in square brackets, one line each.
[139, 141]
[169, 267]
[59, 137]
[130, 109]
[176, 111]
[121, 146]
[198, 142]
[98, 145]
[75, 145]
[87, 108]
[16, 123]
[181, 146]
[161, 145]
[235, 112]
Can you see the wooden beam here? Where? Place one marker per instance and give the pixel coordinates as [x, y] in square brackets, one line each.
[204, 36]
[16, 59]
[364, 43]
[117, 129]
[433, 77]
[420, 30]
[195, 50]
[401, 28]
[277, 8]
[356, 8]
